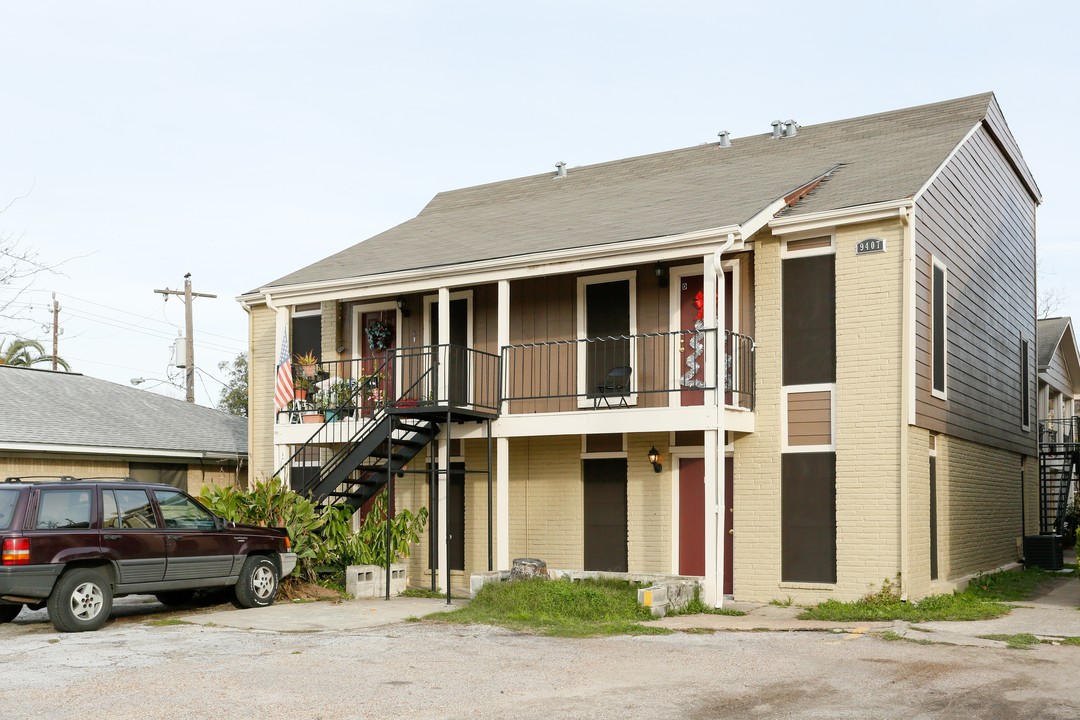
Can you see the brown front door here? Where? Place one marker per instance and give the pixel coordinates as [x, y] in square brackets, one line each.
[692, 516]
[605, 514]
[692, 519]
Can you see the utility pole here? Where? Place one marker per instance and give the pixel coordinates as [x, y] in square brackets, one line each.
[55, 329]
[190, 340]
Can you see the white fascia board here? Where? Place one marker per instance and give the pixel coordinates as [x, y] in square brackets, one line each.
[763, 218]
[488, 271]
[636, 420]
[844, 216]
[93, 450]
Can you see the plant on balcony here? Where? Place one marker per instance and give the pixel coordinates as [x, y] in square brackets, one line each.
[307, 363]
[379, 335]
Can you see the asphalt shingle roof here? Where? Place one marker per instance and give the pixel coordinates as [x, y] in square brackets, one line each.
[1048, 337]
[54, 408]
[876, 158]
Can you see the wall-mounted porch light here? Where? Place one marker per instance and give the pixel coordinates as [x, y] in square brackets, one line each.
[654, 458]
[661, 272]
[401, 306]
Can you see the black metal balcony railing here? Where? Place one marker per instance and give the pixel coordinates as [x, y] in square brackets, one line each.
[1066, 430]
[433, 375]
[642, 370]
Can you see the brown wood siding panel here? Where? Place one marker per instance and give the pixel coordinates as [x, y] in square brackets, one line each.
[543, 309]
[979, 220]
[652, 354]
[810, 418]
[809, 243]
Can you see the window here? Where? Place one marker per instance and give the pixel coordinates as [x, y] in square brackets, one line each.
[938, 292]
[1025, 387]
[128, 509]
[182, 512]
[607, 321]
[63, 510]
[307, 330]
[8, 498]
[809, 317]
[808, 517]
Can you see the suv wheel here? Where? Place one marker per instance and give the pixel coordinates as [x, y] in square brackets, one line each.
[258, 583]
[9, 612]
[81, 600]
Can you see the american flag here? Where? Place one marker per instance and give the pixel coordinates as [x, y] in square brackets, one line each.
[283, 388]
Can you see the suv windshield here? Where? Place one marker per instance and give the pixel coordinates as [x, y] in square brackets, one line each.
[8, 498]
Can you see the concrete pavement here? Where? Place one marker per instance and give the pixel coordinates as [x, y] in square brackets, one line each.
[325, 616]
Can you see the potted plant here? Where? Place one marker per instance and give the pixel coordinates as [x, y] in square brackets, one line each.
[301, 387]
[307, 363]
[340, 399]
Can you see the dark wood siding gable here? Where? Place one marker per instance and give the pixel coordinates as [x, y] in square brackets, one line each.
[979, 220]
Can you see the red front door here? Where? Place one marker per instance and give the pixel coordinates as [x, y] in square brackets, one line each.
[691, 370]
[692, 519]
[692, 516]
[374, 357]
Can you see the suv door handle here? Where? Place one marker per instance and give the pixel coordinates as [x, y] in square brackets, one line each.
[175, 537]
[110, 537]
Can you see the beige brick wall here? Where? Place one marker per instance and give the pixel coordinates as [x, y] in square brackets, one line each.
[61, 465]
[978, 491]
[648, 506]
[263, 347]
[546, 500]
[757, 455]
[869, 331]
[917, 582]
[222, 476]
[328, 330]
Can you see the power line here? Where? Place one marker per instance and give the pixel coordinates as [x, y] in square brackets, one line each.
[163, 322]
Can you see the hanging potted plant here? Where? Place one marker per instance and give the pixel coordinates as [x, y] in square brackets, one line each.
[379, 334]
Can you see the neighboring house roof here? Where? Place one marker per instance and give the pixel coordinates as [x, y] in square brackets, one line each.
[877, 158]
[1050, 332]
[67, 410]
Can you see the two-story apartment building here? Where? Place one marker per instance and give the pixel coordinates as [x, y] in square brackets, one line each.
[793, 364]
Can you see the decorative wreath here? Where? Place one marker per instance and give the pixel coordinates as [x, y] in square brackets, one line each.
[379, 335]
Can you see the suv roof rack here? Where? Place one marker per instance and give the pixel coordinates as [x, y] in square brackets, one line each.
[120, 478]
[21, 478]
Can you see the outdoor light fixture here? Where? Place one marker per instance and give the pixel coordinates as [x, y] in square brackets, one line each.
[654, 458]
[661, 278]
[401, 306]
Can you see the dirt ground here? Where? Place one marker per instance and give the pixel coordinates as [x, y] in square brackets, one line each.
[143, 666]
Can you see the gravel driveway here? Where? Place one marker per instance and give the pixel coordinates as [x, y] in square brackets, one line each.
[132, 669]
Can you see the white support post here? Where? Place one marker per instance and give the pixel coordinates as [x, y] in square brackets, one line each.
[442, 394]
[281, 325]
[502, 503]
[502, 444]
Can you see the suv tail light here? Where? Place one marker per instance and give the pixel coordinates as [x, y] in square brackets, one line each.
[16, 551]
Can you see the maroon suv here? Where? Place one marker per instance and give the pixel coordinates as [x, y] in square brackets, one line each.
[73, 545]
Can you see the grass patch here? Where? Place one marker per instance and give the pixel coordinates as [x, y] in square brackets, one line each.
[1020, 641]
[1070, 641]
[696, 607]
[560, 608]
[165, 622]
[893, 636]
[982, 600]
[776, 602]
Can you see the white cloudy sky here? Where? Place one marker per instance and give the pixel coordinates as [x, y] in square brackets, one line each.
[238, 141]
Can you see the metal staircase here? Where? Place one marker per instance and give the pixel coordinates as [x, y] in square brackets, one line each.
[1059, 470]
[444, 384]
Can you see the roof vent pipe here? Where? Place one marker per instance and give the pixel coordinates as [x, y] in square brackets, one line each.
[777, 129]
[790, 128]
[725, 139]
[560, 170]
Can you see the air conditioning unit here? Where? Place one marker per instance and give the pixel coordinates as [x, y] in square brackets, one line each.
[1043, 551]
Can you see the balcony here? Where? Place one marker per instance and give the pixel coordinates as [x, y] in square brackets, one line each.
[649, 370]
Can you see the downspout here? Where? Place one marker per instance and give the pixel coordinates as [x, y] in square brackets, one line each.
[907, 368]
[719, 508]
